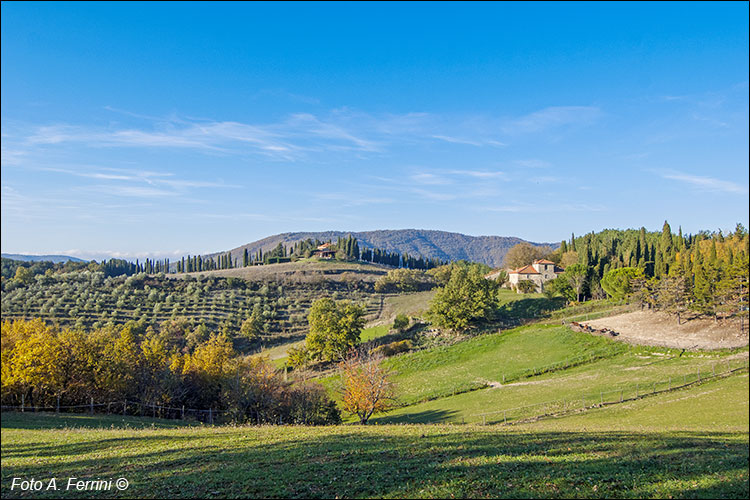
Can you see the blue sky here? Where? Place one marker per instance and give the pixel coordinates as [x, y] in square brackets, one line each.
[164, 129]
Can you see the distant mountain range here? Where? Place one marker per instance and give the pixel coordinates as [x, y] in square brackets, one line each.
[443, 245]
[37, 258]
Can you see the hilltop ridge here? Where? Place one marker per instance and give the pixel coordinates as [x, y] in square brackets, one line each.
[428, 243]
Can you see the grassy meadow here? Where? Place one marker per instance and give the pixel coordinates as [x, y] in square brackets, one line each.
[635, 451]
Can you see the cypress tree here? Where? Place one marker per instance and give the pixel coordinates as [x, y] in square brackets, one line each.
[666, 239]
[712, 256]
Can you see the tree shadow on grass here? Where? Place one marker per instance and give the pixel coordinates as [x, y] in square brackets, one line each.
[420, 417]
[401, 461]
[46, 420]
[515, 310]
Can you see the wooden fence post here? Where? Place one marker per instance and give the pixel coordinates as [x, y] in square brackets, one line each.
[57, 407]
[91, 405]
[636, 391]
[124, 407]
[620, 395]
[23, 402]
[699, 374]
[182, 413]
[670, 383]
[484, 422]
[505, 417]
[109, 408]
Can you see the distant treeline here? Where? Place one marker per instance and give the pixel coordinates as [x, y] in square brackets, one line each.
[23, 270]
[346, 249]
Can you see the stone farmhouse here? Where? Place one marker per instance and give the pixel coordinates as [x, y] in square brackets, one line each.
[540, 272]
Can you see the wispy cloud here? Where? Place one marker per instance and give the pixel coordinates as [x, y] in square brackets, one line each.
[480, 174]
[533, 163]
[552, 117]
[705, 183]
[430, 179]
[138, 183]
[297, 136]
[471, 142]
[352, 200]
[541, 208]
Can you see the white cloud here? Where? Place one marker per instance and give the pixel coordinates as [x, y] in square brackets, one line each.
[480, 174]
[533, 163]
[705, 183]
[430, 179]
[552, 117]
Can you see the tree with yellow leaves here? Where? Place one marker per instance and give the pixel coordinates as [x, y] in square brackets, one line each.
[367, 385]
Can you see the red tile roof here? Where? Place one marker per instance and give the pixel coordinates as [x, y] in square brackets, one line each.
[543, 261]
[525, 270]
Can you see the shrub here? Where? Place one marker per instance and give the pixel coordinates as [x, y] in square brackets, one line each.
[401, 322]
[394, 348]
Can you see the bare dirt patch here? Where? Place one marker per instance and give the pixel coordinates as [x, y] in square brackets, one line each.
[661, 329]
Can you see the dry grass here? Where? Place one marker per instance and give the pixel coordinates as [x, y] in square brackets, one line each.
[661, 329]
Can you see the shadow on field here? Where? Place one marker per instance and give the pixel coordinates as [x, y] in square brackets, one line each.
[529, 308]
[420, 417]
[401, 461]
[43, 420]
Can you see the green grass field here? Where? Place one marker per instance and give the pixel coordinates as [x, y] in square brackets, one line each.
[635, 372]
[615, 452]
[474, 363]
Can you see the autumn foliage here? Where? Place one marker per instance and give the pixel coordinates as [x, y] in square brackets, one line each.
[43, 365]
[367, 388]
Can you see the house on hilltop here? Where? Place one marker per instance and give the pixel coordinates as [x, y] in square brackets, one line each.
[539, 272]
[325, 251]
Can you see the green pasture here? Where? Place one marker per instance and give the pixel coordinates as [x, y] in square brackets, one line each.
[477, 362]
[384, 461]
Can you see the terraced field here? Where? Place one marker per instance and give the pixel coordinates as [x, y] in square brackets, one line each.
[216, 298]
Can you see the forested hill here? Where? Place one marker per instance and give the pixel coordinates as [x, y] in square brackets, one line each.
[442, 245]
[40, 258]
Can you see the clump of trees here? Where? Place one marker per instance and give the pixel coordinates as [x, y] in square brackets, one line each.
[403, 280]
[43, 365]
[335, 328]
[466, 299]
[706, 273]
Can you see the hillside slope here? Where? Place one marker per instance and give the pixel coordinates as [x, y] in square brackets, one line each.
[38, 258]
[443, 245]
